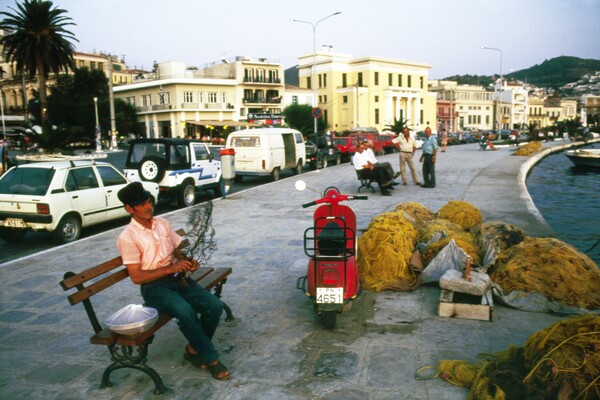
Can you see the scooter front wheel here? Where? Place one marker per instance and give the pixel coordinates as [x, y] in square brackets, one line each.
[328, 319]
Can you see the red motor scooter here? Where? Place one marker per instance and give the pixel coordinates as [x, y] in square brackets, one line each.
[332, 279]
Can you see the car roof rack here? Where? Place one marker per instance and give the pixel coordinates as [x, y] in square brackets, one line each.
[60, 157]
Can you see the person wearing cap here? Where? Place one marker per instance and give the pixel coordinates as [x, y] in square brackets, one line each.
[146, 246]
[367, 170]
[385, 166]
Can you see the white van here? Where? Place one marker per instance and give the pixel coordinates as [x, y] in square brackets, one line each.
[266, 151]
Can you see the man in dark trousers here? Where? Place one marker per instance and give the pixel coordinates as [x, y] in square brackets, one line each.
[429, 149]
[147, 247]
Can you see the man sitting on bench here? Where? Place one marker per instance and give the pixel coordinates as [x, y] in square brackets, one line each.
[368, 170]
[146, 246]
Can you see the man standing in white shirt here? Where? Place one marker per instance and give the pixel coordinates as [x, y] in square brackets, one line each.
[405, 143]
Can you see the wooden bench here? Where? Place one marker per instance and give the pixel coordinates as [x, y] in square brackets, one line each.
[130, 351]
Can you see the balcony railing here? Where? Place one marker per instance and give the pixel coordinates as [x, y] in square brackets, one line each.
[249, 79]
[264, 100]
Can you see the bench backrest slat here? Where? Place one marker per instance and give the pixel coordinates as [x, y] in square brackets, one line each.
[96, 287]
[89, 274]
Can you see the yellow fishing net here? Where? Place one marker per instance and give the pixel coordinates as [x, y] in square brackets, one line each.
[418, 212]
[465, 240]
[528, 149]
[501, 234]
[384, 253]
[431, 227]
[551, 267]
[559, 362]
[461, 213]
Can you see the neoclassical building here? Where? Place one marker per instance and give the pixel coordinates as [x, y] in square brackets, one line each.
[368, 91]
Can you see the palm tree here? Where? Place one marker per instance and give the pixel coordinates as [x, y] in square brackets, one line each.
[398, 125]
[37, 42]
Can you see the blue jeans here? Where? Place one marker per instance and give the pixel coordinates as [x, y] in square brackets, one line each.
[185, 303]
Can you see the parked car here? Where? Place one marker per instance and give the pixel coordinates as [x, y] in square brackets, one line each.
[267, 151]
[346, 145]
[181, 167]
[368, 134]
[325, 149]
[386, 140]
[60, 197]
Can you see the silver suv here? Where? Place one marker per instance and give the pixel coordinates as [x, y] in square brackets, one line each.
[60, 197]
[179, 166]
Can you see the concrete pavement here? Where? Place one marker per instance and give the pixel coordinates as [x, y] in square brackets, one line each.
[275, 349]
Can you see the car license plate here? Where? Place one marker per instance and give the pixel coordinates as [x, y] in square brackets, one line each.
[330, 295]
[15, 223]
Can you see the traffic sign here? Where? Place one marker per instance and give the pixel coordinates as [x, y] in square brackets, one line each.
[317, 112]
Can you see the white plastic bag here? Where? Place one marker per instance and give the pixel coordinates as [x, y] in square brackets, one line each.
[132, 319]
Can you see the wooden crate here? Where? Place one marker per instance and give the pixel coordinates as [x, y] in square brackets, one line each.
[462, 305]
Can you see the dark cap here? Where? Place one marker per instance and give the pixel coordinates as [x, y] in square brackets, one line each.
[133, 194]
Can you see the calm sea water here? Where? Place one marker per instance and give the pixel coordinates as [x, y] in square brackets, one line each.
[569, 199]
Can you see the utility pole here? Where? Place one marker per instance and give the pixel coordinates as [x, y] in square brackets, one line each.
[113, 126]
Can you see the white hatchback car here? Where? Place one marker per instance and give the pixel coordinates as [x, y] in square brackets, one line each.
[60, 197]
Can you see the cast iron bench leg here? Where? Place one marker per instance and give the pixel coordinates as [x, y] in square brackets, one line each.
[124, 357]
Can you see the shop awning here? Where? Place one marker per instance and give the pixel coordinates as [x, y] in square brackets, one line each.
[219, 123]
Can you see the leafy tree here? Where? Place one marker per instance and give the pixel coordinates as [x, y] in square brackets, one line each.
[38, 42]
[299, 116]
[533, 129]
[71, 105]
[398, 125]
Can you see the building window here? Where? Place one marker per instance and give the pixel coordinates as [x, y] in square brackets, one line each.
[421, 79]
[376, 78]
[359, 80]
[377, 116]
[260, 75]
[345, 99]
[390, 80]
[410, 81]
[212, 97]
[344, 80]
[188, 97]
[376, 99]
[294, 99]
[201, 97]
[308, 83]
[399, 79]
[325, 99]
[248, 75]
[273, 76]
[324, 80]
[223, 97]
[320, 99]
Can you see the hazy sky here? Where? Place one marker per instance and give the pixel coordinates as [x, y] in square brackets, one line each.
[446, 34]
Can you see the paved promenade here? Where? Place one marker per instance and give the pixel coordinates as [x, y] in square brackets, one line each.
[275, 348]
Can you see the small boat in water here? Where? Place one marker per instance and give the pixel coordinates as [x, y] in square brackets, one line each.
[584, 157]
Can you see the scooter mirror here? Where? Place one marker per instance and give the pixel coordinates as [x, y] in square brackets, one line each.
[300, 185]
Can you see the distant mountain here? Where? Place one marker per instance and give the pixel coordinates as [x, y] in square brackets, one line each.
[557, 72]
[553, 73]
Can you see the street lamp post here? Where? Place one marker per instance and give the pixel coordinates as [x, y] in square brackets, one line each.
[98, 139]
[314, 71]
[499, 100]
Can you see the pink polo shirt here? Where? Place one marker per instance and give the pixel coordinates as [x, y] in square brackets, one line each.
[152, 248]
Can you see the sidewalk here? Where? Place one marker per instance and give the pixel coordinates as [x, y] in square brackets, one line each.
[275, 348]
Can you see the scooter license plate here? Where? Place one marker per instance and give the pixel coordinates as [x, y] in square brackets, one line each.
[330, 295]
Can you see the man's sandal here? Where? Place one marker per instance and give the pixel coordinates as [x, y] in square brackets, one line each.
[219, 371]
[194, 359]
